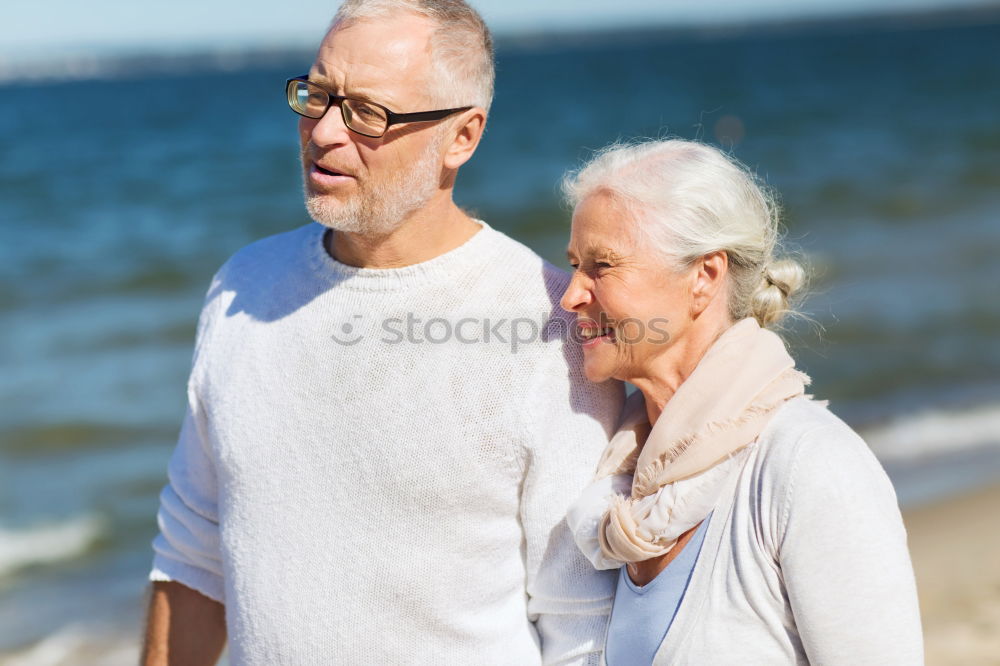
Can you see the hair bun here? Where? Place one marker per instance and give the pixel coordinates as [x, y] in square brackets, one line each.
[785, 274]
[781, 280]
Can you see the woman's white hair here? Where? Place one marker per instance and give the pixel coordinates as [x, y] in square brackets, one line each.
[688, 200]
[462, 48]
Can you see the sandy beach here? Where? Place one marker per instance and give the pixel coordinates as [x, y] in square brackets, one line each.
[955, 545]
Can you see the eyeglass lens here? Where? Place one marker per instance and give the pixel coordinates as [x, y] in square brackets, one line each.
[360, 116]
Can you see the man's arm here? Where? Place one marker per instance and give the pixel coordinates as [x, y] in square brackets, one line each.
[187, 620]
[568, 600]
[186, 623]
[184, 627]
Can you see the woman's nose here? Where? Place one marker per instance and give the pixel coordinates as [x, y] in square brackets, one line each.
[577, 293]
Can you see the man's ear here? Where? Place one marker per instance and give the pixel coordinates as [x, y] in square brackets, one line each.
[709, 280]
[467, 132]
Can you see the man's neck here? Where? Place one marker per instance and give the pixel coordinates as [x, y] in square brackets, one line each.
[435, 229]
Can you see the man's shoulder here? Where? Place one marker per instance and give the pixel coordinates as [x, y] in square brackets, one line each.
[268, 254]
[524, 268]
[517, 249]
[265, 278]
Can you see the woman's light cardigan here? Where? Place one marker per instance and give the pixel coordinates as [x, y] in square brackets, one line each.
[805, 560]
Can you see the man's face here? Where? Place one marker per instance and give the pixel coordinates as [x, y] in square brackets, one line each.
[366, 185]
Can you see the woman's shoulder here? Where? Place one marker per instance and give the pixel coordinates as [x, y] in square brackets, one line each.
[812, 468]
[806, 423]
[808, 447]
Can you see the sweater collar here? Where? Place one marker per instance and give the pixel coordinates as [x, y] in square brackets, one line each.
[447, 266]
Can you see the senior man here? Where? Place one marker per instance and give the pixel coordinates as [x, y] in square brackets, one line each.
[385, 420]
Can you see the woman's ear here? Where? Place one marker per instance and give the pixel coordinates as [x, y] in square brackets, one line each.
[465, 138]
[710, 273]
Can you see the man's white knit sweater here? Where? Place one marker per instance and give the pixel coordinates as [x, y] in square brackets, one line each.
[376, 463]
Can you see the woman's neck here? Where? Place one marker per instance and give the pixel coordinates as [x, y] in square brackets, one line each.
[664, 376]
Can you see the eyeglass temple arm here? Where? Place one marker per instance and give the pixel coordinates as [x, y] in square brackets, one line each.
[423, 115]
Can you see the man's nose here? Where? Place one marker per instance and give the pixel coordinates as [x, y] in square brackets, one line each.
[329, 130]
[577, 293]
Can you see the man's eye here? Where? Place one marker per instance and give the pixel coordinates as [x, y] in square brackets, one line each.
[601, 264]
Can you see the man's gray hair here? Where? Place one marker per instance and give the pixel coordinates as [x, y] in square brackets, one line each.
[462, 48]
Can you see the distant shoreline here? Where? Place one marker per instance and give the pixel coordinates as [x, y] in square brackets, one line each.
[875, 21]
[94, 63]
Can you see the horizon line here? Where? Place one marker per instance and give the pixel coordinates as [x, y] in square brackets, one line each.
[82, 62]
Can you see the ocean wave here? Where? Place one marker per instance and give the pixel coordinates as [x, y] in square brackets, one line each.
[78, 644]
[43, 544]
[84, 644]
[935, 432]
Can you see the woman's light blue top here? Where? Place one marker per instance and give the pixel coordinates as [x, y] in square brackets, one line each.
[641, 616]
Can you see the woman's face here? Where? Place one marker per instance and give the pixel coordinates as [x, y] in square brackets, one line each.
[630, 306]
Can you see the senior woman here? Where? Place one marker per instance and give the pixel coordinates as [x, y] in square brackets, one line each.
[750, 525]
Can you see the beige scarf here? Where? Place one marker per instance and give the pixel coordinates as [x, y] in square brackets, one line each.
[716, 412]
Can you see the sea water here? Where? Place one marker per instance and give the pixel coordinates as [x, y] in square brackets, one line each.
[121, 195]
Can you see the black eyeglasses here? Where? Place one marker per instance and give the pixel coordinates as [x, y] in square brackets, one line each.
[361, 116]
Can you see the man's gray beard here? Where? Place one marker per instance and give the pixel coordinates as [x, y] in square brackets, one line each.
[382, 209]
